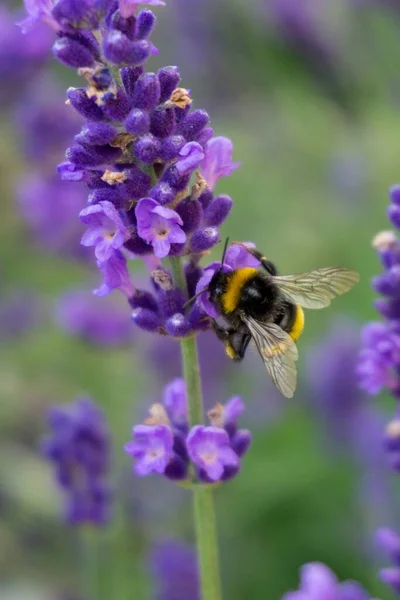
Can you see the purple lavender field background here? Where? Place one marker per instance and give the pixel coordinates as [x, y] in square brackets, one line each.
[309, 93]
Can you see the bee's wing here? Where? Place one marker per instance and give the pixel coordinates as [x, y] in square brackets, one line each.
[278, 351]
[315, 289]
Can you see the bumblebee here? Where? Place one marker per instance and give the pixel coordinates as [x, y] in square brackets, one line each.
[260, 305]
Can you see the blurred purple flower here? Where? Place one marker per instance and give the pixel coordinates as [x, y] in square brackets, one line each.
[305, 28]
[39, 11]
[217, 162]
[318, 582]
[79, 449]
[103, 324]
[20, 311]
[174, 568]
[333, 382]
[350, 423]
[392, 441]
[380, 353]
[46, 125]
[49, 206]
[21, 57]
[389, 541]
[159, 226]
[106, 230]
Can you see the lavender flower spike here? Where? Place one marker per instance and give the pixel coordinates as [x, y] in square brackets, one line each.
[209, 449]
[217, 162]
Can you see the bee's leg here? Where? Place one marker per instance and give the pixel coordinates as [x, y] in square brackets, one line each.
[236, 345]
[267, 264]
[235, 341]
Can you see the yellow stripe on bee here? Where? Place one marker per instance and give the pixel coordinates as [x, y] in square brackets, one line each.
[298, 324]
[236, 281]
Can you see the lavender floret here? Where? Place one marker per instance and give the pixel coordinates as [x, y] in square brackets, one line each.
[166, 444]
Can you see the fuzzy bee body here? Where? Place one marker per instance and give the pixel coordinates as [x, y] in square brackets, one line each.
[257, 304]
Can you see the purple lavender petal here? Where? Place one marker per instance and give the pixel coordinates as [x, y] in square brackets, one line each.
[189, 158]
[204, 299]
[116, 276]
[237, 256]
[209, 449]
[175, 401]
[217, 162]
[159, 226]
[106, 230]
[128, 8]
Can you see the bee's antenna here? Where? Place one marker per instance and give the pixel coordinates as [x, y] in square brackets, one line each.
[193, 298]
[224, 252]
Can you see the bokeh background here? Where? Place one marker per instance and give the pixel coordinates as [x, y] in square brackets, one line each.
[309, 92]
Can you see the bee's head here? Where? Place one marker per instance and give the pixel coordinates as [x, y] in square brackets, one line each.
[217, 285]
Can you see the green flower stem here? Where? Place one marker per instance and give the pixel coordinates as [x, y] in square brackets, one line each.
[204, 512]
[178, 274]
[207, 543]
[191, 373]
[89, 540]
